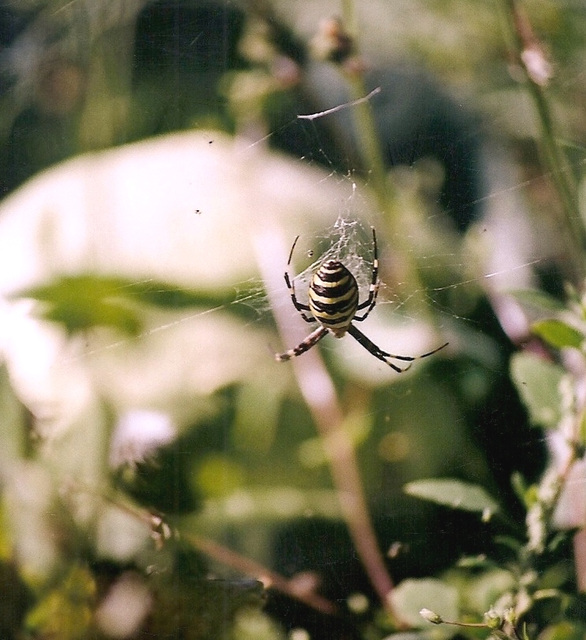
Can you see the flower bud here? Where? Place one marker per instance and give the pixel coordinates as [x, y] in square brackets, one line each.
[431, 616]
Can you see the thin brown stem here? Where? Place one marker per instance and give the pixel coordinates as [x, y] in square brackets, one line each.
[320, 396]
[532, 59]
[270, 579]
[162, 532]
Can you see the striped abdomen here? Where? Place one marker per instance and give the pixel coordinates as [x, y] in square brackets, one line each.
[333, 297]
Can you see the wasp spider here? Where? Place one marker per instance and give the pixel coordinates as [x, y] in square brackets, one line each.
[334, 305]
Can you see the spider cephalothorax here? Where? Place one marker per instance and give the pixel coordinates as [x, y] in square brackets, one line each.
[334, 304]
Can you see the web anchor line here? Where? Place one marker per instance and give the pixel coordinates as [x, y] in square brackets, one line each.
[327, 112]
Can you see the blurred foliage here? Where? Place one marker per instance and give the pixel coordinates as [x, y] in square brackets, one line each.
[465, 498]
[66, 611]
[455, 494]
[539, 385]
[201, 610]
[85, 301]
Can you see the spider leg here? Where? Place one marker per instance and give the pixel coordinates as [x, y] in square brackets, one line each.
[377, 352]
[301, 308]
[369, 303]
[311, 340]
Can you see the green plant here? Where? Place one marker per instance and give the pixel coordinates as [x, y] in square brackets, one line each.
[158, 329]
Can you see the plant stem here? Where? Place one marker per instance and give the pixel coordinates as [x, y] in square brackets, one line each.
[320, 396]
[372, 156]
[405, 271]
[366, 133]
[269, 578]
[218, 552]
[525, 42]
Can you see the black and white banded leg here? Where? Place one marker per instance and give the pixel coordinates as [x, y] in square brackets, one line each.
[312, 339]
[384, 356]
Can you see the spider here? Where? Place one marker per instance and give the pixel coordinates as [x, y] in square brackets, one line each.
[333, 304]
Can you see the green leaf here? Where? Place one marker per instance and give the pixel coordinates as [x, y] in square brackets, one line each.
[411, 596]
[538, 300]
[200, 609]
[558, 334]
[482, 588]
[165, 296]
[85, 301]
[217, 476]
[65, 612]
[169, 296]
[538, 383]
[454, 493]
[520, 487]
[565, 630]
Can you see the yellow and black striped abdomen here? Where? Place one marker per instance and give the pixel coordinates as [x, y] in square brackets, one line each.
[333, 297]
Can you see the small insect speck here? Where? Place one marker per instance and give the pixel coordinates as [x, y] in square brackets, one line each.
[396, 549]
[198, 212]
[310, 254]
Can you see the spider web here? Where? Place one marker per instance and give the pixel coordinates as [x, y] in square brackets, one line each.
[469, 265]
[348, 237]
[345, 242]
